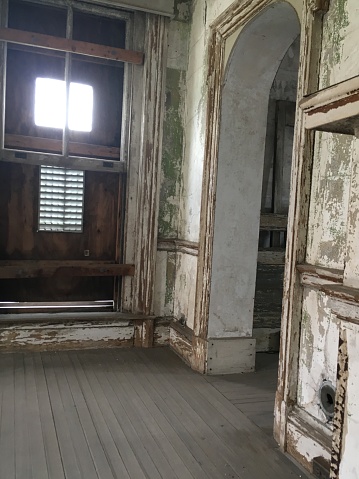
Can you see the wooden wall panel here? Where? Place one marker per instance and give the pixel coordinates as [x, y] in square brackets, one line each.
[19, 238]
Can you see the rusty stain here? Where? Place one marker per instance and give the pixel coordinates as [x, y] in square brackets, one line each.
[347, 100]
[339, 409]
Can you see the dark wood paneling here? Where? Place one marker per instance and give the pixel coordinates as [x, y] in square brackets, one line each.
[20, 240]
[48, 269]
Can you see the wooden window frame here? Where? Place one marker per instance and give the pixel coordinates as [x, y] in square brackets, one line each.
[114, 159]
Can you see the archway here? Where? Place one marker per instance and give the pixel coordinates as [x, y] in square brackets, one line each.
[251, 69]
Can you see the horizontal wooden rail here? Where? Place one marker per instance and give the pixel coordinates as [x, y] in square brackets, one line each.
[273, 222]
[334, 109]
[71, 162]
[72, 46]
[52, 268]
[51, 145]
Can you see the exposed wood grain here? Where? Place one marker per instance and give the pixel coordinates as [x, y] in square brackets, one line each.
[308, 81]
[334, 109]
[271, 257]
[72, 46]
[150, 163]
[177, 246]
[272, 222]
[123, 414]
[55, 146]
[48, 269]
[71, 162]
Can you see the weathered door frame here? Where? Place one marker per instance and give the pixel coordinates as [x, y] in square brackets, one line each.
[234, 18]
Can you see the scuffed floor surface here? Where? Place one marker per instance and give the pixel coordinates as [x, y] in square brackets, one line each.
[136, 414]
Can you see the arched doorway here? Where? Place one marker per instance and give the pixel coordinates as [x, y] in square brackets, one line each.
[250, 72]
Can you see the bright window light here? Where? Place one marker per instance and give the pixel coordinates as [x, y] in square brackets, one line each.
[80, 107]
[50, 105]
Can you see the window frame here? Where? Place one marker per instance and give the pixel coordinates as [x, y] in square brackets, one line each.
[53, 159]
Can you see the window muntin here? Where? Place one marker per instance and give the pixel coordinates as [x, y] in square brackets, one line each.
[61, 200]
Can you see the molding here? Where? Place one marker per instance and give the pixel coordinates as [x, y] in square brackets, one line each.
[318, 276]
[146, 221]
[303, 149]
[311, 431]
[334, 109]
[177, 246]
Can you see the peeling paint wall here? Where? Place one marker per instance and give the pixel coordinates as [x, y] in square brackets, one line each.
[332, 242]
[174, 279]
[317, 363]
[329, 203]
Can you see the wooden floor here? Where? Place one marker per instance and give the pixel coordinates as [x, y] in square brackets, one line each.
[254, 393]
[124, 413]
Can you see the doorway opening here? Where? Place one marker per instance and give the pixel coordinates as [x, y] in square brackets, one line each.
[252, 190]
[275, 202]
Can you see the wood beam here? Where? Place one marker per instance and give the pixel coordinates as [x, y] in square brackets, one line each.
[273, 222]
[55, 146]
[72, 162]
[334, 109]
[50, 42]
[51, 268]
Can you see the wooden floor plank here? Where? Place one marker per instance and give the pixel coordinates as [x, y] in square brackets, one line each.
[226, 422]
[71, 412]
[37, 450]
[65, 440]
[128, 406]
[114, 437]
[22, 443]
[178, 418]
[132, 414]
[101, 441]
[7, 426]
[156, 407]
[102, 386]
[215, 449]
[52, 451]
[131, 394]
[98, 454]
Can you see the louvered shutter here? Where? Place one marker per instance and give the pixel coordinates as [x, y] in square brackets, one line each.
[61, 199]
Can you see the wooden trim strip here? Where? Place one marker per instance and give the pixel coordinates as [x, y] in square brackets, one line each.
[72, 162]
[177, 246]
[342, 293]
[325, 274]
[71, 46]
[55, 146]
[51, 268]
[273, 222]
[334, 109]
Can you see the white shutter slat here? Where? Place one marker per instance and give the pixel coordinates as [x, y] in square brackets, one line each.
[61, 199]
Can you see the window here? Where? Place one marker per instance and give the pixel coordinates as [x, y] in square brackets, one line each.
[51, 109]
[61, 199]
[44, 86]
